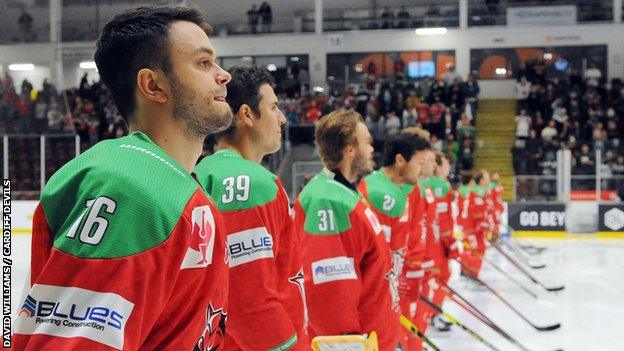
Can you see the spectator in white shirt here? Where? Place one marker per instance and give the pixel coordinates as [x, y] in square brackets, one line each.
[393, 124]
[549, 132]
[523, 89]
[593, 75]
[560, 115]
[523, 124]
[450, 75]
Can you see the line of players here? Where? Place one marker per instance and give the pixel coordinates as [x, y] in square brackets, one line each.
[355, 256]
[349, 259]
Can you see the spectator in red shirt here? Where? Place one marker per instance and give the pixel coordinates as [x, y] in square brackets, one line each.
[424, 114]
[22, 110]
[437, 124]
[314, 113]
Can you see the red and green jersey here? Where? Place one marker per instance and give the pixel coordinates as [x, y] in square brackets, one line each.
[416, 238]
[127, 253]
[346, 262]
[476, 209]
[266, 301]
[443, 201]
[496, 192]
[463, 203]
[389, 202]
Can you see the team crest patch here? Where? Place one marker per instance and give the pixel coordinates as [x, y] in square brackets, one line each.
[214, 332]
[199, 253]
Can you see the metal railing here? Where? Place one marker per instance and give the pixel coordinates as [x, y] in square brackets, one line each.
[30, 160]
[591, 11]
[535, 188]
[302, 172]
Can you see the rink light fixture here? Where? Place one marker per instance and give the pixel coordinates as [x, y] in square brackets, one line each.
[318, 89]
[21, 67]
[501, 71]
[271, 67]
[88, 65]
[431, 31]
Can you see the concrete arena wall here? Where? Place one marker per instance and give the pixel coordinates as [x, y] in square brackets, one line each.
[318, 46]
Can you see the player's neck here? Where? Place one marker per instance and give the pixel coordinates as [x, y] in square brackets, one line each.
[392, 174]
[172, 137]
[345, 170]
[244, 147]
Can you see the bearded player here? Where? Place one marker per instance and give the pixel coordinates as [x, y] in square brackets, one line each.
[128, 253]
[346, 260]
[266, 277]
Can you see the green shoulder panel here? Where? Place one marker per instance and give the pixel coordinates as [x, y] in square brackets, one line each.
[479, 190]
[439, 186]
[407, 188]
[423, 184]
[327, 205]
[464, 190]
[119, 198]
[384, 195]
[493, 185]
[234, 182]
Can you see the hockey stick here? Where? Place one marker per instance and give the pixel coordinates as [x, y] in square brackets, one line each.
[527, 248]
[525, 245]
[494, 292]
[460, 300]
[510, 277]
[521, 255]
[454, 320]
[526, 272]
[407, 324]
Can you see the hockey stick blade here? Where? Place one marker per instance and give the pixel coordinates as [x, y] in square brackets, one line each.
[519, 254]
[549, 327]
[514, 309]
[521, 268]
[556, 288]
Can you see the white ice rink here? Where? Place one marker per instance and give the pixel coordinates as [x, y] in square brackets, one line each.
[590, 309]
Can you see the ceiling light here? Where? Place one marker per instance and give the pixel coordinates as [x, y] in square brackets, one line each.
[431, 31]
[21, 67]
[88, 65]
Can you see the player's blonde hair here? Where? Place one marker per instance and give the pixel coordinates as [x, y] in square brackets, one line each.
[418, 131]
[334, 133]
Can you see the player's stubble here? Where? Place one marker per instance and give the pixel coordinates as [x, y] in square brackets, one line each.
[190, 107]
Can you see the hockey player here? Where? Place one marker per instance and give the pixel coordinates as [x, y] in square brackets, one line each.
[346, 259]
[403, 157]
[419, 259]
[496, 197]
[266, 277]
[128, 253]
[446, 245]
[475, 223]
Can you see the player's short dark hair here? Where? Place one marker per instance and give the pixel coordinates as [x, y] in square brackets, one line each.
[405, 144]
[479, 175]
[466, 178]
[136, 39]
[334, 133]
[439, 157]
[244, 89]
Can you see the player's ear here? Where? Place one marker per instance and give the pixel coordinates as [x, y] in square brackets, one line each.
[399, 161]
[246, 115]
[153, 85]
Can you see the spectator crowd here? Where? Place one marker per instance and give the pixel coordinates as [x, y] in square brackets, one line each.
[445, 107]
[581, 113]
